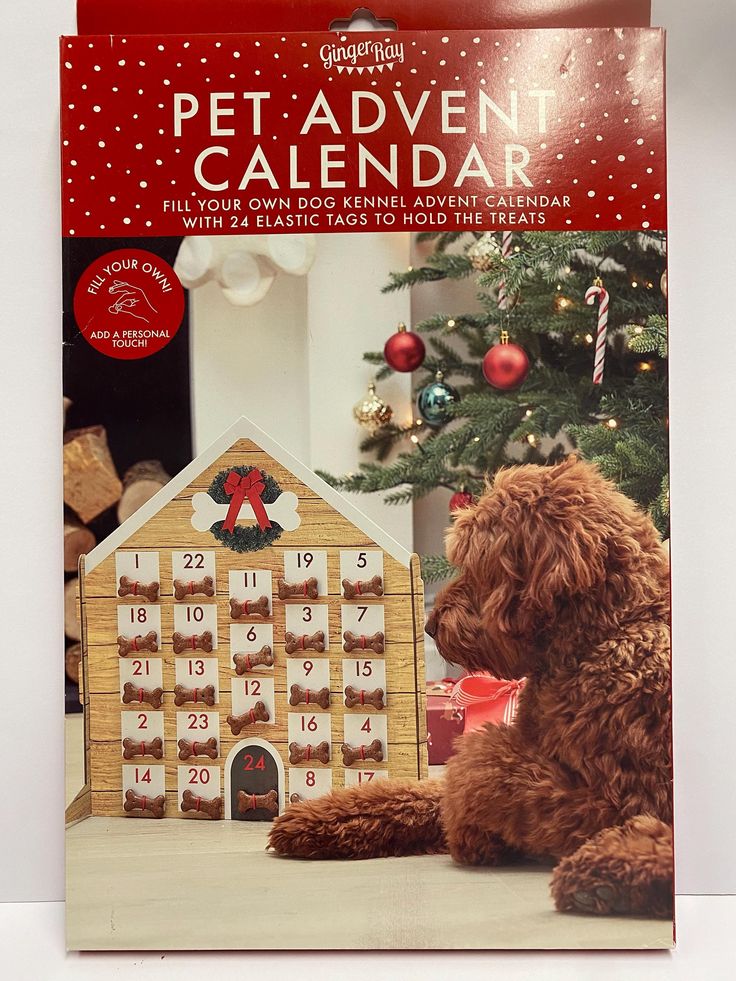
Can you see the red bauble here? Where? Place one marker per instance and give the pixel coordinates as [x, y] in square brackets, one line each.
[461, 500]
[404, 350]
[505, 365]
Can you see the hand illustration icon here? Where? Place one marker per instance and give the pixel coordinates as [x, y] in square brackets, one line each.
[131, 300]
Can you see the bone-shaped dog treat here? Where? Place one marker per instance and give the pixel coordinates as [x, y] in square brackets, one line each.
[356, 754]
[133, 694]
[305, 754]
[309, 589]
[309, 696]
[283, 511]
[194, 642]
[136, 747]
[212, 807]
[141, 642]
[359, 696]
[246, 662]
[141, 590]
[139, 802]
[249, 608]
[193, 587]
[352, 589]
[183, 695]
[189, 748]
[304, 642]
[253, 802]
[259, 713]
[363, 642]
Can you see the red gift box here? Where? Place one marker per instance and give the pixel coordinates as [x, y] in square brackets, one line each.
[444, 722]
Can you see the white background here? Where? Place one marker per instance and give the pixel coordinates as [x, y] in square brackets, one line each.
[702, 140]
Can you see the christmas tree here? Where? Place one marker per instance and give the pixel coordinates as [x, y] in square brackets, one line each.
[532, 290]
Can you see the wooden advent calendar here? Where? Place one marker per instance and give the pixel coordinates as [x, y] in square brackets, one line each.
[250, 639]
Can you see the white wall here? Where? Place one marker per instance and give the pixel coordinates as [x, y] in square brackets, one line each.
[293, 363]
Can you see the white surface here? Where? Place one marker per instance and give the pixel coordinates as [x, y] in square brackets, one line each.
[32, 938]
[702, 150]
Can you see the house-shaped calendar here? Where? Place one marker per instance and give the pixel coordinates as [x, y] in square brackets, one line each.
[249, 640]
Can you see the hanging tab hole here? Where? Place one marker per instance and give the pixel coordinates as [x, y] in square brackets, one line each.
[364, 20]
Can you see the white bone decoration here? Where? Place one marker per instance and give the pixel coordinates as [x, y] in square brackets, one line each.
[244, 266]
[283, 511]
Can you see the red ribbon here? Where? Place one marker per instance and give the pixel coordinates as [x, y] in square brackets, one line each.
[238, 488]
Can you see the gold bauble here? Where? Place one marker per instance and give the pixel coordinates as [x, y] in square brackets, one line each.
[483, 252]
[371, 411]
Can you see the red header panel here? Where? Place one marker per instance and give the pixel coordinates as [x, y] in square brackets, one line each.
[239, 16]
[404, 131]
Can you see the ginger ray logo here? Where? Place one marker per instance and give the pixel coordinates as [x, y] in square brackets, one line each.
[362, 56]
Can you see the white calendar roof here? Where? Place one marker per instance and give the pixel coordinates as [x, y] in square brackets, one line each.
[244, 429]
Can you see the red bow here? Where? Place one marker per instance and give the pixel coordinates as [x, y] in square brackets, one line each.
[238, 488]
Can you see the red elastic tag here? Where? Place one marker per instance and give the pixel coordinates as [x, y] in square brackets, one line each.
[253, 802]
[135, 642]
[362, 696]
[143, 748]
[135, 588]
[199, 801]
[144, 801]
[309, 752]
[362, 641]
[362, 751]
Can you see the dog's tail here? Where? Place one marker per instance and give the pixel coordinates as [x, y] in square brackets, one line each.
[625, 869]
[373, 820]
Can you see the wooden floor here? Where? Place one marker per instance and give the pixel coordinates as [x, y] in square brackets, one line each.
[162, 885]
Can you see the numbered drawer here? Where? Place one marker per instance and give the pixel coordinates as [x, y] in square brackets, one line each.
[359, 776]
[307, 628]
[193, 575]
[361, 573]
[199, 790]
[144, 779]
[141, 672]
[250, 585]
[299, 569]
[306, 784]
[194, 677]
[367, 675]
[312, 673]
[142, 734]
[246, 692]
[139, 629]
[197, 734]
[309, 728]
[363, 628]
[361, 729]
[195, 627]
[137, 576]
[251, 647]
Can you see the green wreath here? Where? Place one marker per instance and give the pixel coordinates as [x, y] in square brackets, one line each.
[245, 538]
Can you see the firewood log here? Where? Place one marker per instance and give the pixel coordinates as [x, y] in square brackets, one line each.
[91, 483]
[140, 483]
[78, 540]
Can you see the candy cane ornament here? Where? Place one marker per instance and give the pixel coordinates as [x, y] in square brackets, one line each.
[597, 290]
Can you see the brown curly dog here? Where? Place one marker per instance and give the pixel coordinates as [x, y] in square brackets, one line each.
[563, 581]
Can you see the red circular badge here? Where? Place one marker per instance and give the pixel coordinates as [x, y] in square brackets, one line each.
[129, 303]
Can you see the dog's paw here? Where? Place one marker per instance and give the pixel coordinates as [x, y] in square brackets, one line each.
[621, 871]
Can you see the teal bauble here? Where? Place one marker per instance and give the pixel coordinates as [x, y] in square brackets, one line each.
[434, 401]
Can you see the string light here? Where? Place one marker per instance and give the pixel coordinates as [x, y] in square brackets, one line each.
[451, 323]
[644, 366]
[414, 438]
[612, 424]
[476, 439]
[588, 338]
[638, 329]
[529, 413]
[531, 439]
[634, 283]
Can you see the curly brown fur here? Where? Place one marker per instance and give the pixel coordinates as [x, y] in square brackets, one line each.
[562, 580]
